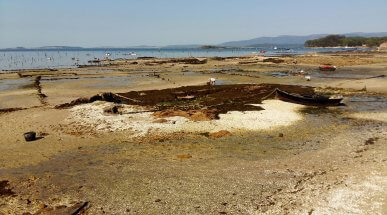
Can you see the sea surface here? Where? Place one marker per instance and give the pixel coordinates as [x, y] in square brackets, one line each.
[61, 58]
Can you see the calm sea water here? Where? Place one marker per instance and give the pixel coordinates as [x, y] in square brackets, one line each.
[38, 59]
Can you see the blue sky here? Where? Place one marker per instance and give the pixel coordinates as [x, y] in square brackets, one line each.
[91, 23]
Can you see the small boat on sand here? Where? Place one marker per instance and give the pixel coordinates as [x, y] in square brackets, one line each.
[94, 61]
[307, 100]
[327, 68]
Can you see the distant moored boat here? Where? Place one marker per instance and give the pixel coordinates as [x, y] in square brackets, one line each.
[327, 68]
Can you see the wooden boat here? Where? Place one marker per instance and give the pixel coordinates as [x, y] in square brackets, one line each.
[307, 100]
[327, 68]
[94, 61]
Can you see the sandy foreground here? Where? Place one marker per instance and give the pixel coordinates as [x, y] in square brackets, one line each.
[284, 159]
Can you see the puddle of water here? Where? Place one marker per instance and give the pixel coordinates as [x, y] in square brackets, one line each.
[227, 71]
[367, 103]
[222, 82]
[368, 99]
[111, 82]
[277, 74]
[13, 84]
[98, 81]
[97, 71]
[343, 75]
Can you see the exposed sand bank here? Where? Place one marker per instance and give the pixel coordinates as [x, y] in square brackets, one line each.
[275, 114]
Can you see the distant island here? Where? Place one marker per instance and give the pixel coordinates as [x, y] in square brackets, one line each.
[293, 39]
[343, 41]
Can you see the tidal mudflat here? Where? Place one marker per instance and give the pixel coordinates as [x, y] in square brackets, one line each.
[173, 143]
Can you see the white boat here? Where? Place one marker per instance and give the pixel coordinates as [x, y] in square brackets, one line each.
[130, 54]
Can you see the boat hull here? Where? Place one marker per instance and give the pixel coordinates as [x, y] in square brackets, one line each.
[310, 101]
[327, 68]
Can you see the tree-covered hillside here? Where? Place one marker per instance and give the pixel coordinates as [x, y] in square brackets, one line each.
[338, 40]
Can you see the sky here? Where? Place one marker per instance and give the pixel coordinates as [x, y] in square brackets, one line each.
[120, 23]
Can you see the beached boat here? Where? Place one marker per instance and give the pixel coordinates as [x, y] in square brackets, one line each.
[327, 68]
[307, 100]
[94, 61]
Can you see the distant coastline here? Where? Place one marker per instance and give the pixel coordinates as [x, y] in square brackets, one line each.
[284, 40]
[204, 47]
[172, 47]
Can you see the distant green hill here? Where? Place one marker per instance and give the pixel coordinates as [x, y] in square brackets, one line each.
[342, 41]
[292, 39]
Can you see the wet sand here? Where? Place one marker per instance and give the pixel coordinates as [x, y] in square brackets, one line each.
[296, 160]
